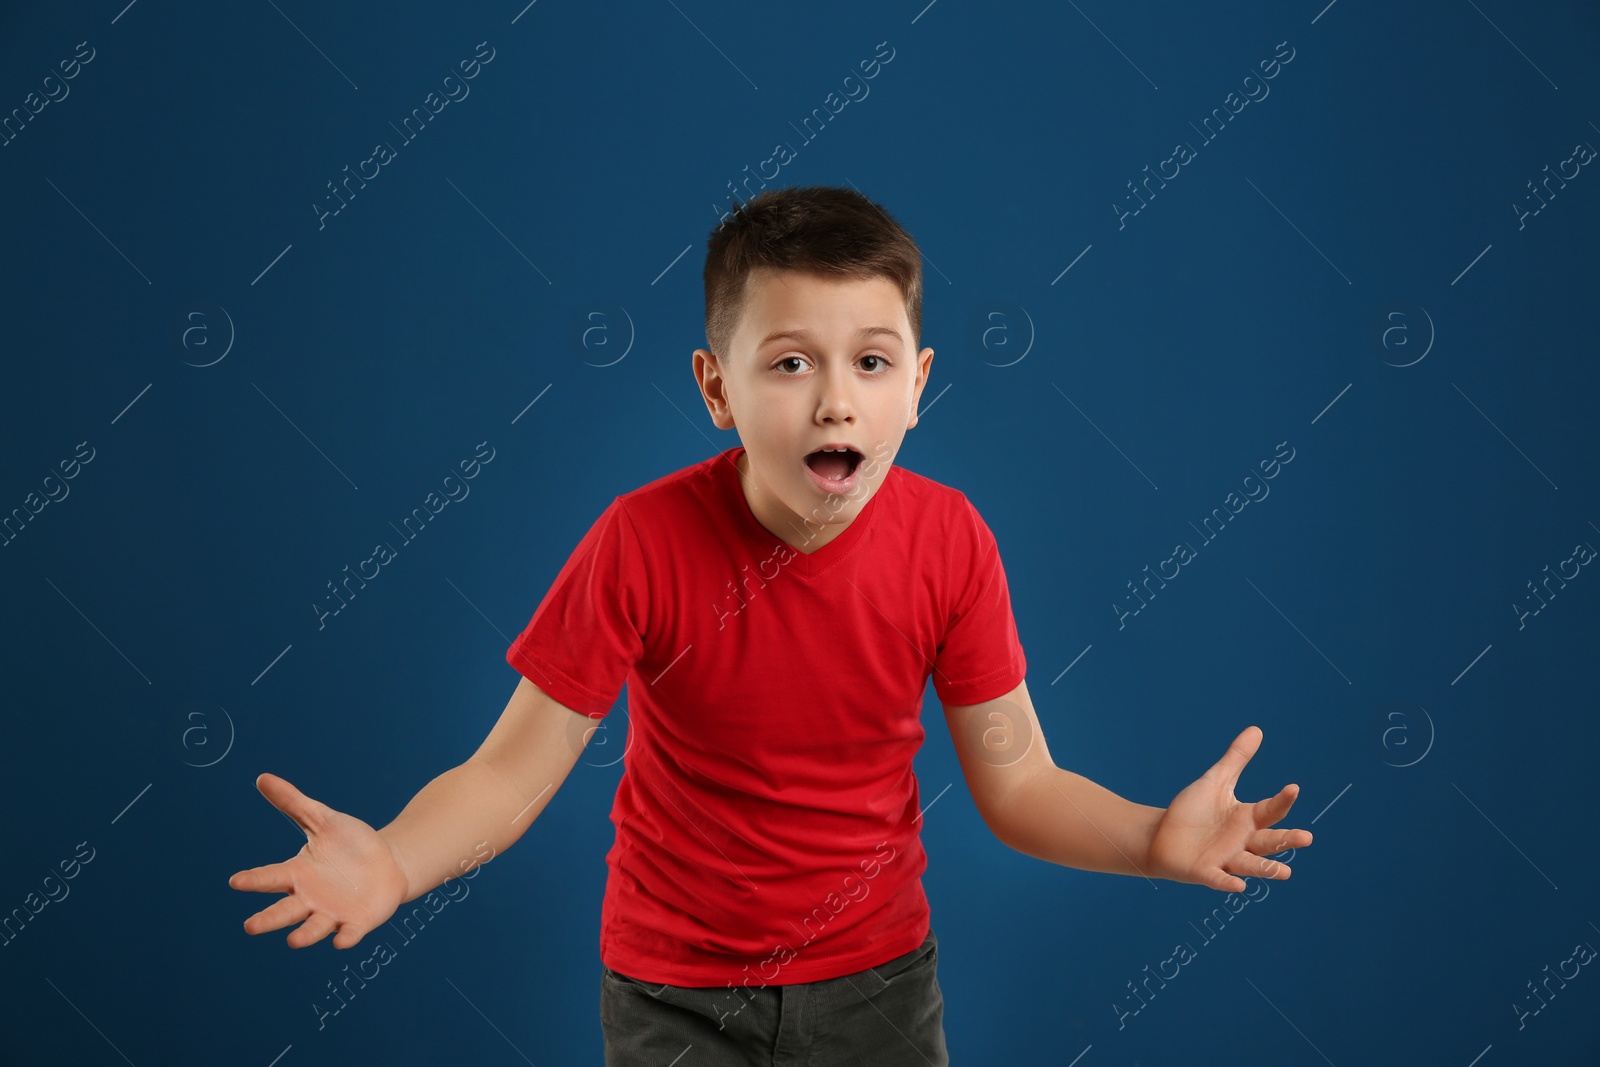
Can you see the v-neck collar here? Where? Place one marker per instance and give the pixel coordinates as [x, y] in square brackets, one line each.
[805, 564]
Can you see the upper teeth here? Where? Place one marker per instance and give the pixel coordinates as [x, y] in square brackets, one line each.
[835, 450]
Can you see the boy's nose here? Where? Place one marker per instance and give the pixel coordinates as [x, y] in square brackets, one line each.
[837, 395]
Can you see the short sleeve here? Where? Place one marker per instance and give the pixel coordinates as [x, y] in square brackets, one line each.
[588, 631]
[980, 657]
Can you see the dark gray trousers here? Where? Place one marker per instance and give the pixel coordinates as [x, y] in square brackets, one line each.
[885, 1016]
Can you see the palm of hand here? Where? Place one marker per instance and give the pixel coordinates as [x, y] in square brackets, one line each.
[1207, 836]
[345, 877]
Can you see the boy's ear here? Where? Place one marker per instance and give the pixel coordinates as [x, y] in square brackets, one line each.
[924, 367]
[713, 388]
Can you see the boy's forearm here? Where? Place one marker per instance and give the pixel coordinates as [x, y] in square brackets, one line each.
[1067, 819]
[461, 819]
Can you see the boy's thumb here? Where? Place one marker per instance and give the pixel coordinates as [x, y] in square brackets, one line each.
[282, 794]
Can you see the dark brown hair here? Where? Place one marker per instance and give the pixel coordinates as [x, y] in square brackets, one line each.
[818, 229]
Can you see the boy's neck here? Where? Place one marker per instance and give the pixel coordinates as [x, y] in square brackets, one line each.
[778, 520]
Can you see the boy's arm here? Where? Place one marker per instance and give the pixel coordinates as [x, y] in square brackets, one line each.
[487, 802]
[1205, 836]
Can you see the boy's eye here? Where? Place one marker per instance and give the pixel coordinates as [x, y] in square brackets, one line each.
[878, 367]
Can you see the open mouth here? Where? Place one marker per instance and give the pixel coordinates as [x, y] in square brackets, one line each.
[834, 466]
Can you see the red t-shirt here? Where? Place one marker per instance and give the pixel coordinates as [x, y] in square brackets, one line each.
[767, 818]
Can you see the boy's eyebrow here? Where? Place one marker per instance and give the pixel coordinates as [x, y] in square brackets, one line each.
[805, 335]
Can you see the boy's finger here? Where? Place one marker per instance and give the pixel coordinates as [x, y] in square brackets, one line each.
[1272, 842]
[311, 931]
[306, 813]
[285, 912]
[1225, 881]
[1232, 762]
[349, 935]
[273, 878]
[1276, 807]
[1272, 868]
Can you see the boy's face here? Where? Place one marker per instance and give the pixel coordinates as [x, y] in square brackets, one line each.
[835, 379]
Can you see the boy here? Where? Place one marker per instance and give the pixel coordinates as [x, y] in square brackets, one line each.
[777, 611]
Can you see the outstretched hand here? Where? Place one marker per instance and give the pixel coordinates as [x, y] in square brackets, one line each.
[345, 877]
[1209, 838]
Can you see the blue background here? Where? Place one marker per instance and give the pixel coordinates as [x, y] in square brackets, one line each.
[1342, 269]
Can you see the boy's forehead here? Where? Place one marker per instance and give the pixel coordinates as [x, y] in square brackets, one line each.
[773, 282]
[790, 300]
